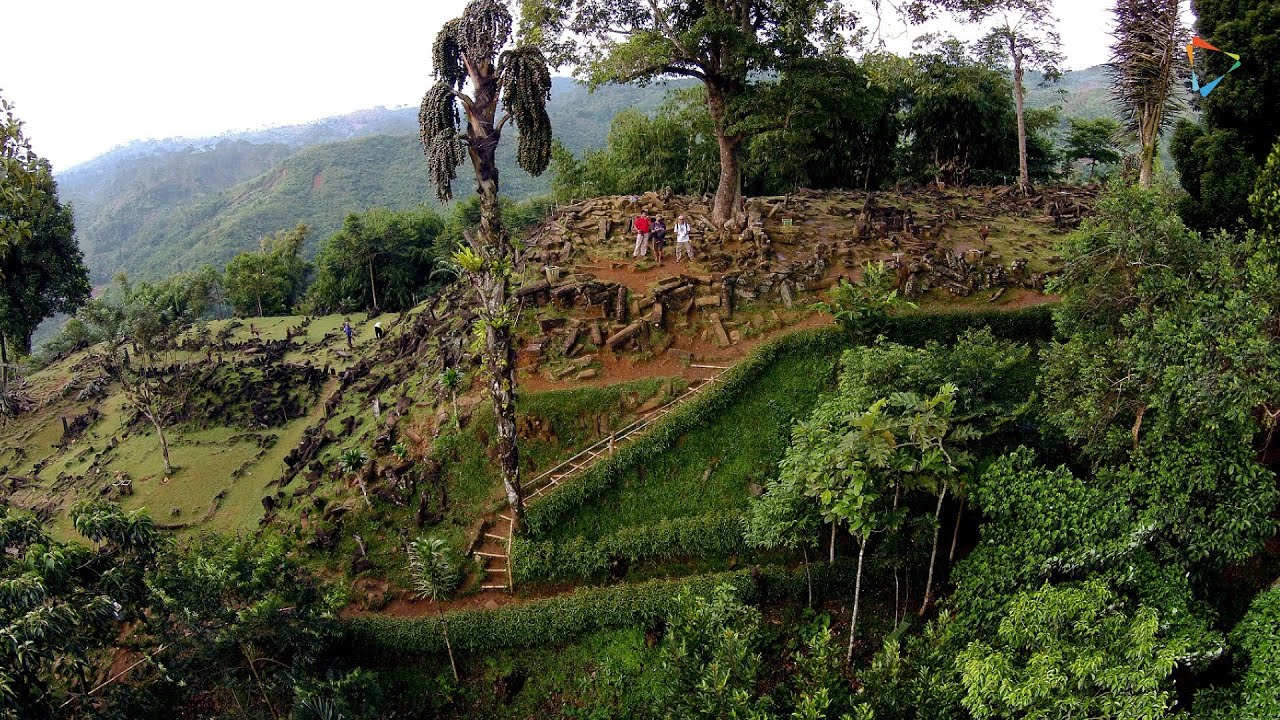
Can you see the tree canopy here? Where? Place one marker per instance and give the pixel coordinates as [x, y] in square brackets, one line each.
[42, 270]
[379, 259]
[732, 47]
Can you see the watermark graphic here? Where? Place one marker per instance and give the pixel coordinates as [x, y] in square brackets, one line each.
[1208, 87]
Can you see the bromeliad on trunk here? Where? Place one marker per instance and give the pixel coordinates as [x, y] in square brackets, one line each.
[472, 52]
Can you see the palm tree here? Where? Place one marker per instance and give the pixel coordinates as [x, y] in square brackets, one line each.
[451, 380]
[435, 575]
[476, 54]
[1144, 65]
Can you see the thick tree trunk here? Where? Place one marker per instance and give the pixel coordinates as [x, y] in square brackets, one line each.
[1024, 174]
[933, 556]
[857, 596]
[832, 558]
[729, 189]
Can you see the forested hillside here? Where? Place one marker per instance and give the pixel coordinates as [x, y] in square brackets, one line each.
[154, 208]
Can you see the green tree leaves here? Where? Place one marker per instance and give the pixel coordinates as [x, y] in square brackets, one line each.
[270, 281]
[42, 270]
[1071, 651]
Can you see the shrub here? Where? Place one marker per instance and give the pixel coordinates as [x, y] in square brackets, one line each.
[582, 559]
[557, 620]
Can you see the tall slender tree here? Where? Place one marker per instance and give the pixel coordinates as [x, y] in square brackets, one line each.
[1145, 60]
[475, 52]
[1023, 32]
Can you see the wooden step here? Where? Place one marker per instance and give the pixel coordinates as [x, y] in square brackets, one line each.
[490, 555]
[502, 538]
[494, 587]
[505, 517]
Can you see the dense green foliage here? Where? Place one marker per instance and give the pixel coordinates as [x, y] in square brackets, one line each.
[1219, 158]
[1094, 140]
[270, 281]
[674, 148]
[61, 603]
[1167, 353]
[938, 115]
[379, 259]
[1256, 658]
[1070, 651]
[42, 271]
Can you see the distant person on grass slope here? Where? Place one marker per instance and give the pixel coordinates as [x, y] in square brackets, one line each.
[346, 330]
[641, 226]
[377, 330]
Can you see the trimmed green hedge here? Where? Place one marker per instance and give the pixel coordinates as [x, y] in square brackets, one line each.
[917, 328]
[557, 620]
[714, 535]
[541, 515]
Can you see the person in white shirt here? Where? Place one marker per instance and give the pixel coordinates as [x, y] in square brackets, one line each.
[682, 239]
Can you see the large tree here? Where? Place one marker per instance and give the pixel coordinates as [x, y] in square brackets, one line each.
[1021, 31]
[379, 260]
[473, 52]
[270, 281]
[42, 271]
[733, 47]
[1145, 61]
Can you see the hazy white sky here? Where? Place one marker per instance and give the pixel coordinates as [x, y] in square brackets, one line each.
[89, 75]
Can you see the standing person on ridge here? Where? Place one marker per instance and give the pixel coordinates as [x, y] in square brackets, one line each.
[658, 233]
[346, 330]
[682, 239]
[377, 330]
[641, 226]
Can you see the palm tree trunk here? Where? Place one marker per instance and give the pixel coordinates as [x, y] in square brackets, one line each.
[373, 285]
[444, 628]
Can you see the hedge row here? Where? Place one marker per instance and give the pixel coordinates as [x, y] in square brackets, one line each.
[1034, 323]
[714, 535]
[1025, 325]
[558, 620]
[540, 516]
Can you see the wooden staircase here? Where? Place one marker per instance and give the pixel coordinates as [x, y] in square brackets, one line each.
[493, 549]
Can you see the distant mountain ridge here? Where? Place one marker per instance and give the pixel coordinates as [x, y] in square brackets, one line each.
[153, 208]
[156, 207]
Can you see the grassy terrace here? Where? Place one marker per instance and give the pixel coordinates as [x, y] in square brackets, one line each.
[712, 468]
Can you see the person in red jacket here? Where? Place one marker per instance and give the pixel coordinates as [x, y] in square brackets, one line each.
[641, 226]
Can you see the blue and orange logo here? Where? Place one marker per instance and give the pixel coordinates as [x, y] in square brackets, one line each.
[1208, 87]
